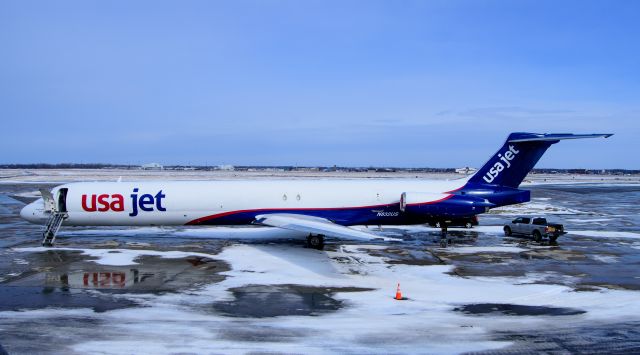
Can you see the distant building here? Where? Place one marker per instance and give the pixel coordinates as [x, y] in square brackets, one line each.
[152, 166]
[466, 170]
[226, 167]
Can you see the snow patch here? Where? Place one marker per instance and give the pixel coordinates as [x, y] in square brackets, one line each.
[606, 234]
[474, 250]
[589, 220]
[119, 257]
[534, 208]
[371, 321]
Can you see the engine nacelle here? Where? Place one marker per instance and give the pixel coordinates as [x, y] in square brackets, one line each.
[434, 204]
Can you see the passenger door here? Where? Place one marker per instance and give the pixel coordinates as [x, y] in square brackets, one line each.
[516, 224]
[523, 226]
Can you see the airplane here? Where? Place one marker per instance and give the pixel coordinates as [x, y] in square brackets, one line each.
[317, 208]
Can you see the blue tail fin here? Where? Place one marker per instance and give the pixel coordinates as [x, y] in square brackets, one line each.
[519, 154]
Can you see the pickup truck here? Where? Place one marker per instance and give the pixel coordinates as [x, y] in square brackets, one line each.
[537, 227]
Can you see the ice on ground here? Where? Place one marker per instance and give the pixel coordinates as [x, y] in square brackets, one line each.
[238, 233]
[119, 257]
[474, 250]
[423, 229]
[245, 233]
[98, 231]
[589, 220]
[606, 234]
[607, 259]
[371, 321]
[533, 208]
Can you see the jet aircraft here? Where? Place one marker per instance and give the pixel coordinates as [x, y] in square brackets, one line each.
[317, 208]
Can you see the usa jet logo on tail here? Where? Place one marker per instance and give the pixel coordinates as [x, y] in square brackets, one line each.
[498, 167]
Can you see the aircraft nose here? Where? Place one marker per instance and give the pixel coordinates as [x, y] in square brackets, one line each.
[30, 214]
[26, 211]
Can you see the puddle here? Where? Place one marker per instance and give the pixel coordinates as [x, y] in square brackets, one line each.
[67, 270]
[260, 301]
[594, 338]
[31, 297]
[516, 310]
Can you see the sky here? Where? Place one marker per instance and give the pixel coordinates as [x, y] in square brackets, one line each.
[347, 83]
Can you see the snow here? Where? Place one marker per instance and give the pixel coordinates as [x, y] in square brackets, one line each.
[118, 257]
[535, 207]
[372, 321]
[606, 234]
[474, 250]
[238, 233]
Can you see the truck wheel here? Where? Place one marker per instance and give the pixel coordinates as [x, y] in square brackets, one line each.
[437, 224]
[507, 231]
[468, 225]
[537, 236]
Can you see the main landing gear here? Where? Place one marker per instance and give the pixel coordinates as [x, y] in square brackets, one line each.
[315, 241]
[444, 238]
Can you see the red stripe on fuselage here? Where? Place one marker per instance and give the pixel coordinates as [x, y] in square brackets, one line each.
[455, 190]
[276, 210]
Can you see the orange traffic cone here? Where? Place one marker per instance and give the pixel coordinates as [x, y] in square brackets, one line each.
[398, 293]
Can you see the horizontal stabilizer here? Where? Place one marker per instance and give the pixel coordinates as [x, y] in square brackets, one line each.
[555, 137]
[518, 155]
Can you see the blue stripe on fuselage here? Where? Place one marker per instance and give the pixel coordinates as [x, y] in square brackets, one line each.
[455, 205]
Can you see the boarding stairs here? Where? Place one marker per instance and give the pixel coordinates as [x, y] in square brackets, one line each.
[52, 227]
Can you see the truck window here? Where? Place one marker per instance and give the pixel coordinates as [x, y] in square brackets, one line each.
[540, 221]
[517, 220]
[525, 220]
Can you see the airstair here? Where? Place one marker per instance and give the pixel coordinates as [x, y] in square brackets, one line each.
[52, 227]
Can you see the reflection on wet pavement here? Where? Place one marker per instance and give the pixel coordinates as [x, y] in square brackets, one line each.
[281, 300]
[516, 310]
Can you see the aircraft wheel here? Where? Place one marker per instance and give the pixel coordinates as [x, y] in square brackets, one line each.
[315, 241]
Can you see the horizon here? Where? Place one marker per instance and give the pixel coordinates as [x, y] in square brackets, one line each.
[87, 166]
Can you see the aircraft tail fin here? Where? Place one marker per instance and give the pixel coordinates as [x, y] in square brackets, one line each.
[519, 154]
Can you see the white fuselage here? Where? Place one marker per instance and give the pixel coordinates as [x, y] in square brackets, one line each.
[195, 202]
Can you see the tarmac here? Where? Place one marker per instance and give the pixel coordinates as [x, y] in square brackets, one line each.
[231, 290]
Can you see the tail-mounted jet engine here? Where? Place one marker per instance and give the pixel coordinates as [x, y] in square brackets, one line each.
[425, 203]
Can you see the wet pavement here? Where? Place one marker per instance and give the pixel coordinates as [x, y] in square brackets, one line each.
[281, 300]
[516, 310]
[74, 291]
